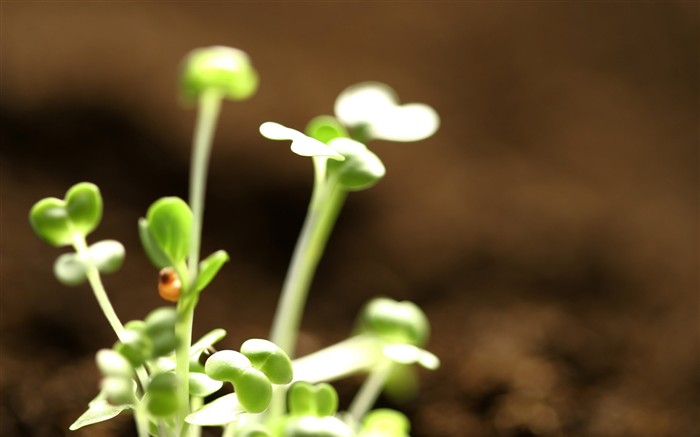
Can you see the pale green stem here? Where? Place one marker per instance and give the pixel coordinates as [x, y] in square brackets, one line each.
[195, 404]
[327, 200]
[209, 105]
[356, 354]
[370, 390]
[98, 289]
[93, 277]
[141, 418]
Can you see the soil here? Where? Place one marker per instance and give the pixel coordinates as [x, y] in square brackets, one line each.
[549, 229]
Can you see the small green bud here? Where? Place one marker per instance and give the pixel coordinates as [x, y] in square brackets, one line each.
[135, 346]
[396, 322]
[161, 319]
[118, 390]
[325, 128]
[312, 400]
[361, 168]
[385, 423]
[107, 255]
[162, 395]
[69, 269]
[112, 363]
[269, 359]
[222, 69]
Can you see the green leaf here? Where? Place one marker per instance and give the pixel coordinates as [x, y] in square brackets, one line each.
[395, 322]
[410, 354]
[312, 400]
[162, 395]
[269, 359]
[84, 207]
[301, 144]
[119, 390]
[208, 269]
[112, 363]
[384, 422]
[221, 411]
[69, 269]
[55, 220]
[98, 411]
[253, 388]
[170, 223]
[201, 385]
[222, 69]
[361, 168]
[373, 107]
[325, 128]
[157, 257]
[108, 255]
[49, 219]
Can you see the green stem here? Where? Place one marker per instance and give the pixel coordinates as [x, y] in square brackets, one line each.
[327, 199]
[209, 106]
[98, 289]
[369, 392]
[350, 356]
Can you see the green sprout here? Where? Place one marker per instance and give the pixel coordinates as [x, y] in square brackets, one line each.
[175, 386]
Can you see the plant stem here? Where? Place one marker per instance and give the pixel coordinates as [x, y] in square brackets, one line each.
[369, 392]
[353, 355]
[98, 289]
[209, 106]
[327, 199]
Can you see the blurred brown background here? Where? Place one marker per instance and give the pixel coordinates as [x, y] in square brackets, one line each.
[549, 229]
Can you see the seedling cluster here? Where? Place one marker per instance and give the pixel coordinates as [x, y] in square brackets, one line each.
[174, 386]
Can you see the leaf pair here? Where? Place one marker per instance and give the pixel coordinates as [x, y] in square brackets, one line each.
[395, 322]
[165, 235]
[71, 268]
[57, 220]
[149, 339]
[350, 162]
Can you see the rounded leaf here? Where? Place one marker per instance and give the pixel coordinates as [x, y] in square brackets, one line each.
[373, 109]
[226, 365]
[118, 390]
[112, 363]
[157, 257]
[169, 222]
[325, 128]
[162, 396]
[135, 346]
[252, 430]
[218, 68]
[49, 219]
[84, 207]
[201, 385]
[161, 319]
[69, 269]
[385, 422]
[108, 255]
[396, 322]
[312, 400]
[254, 390]
[361, 168]
[270, 359]
[209, 268]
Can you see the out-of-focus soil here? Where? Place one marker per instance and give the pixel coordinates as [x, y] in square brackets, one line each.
[549, 229]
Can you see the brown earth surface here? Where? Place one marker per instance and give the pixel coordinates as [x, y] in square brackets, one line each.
[549, 229]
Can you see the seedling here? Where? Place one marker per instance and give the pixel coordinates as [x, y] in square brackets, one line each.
[155, 370]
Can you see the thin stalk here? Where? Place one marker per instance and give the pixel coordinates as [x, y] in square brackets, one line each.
[369, 392]
[209, 106]
[327, 200]
[353, 355]
[98, 289]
